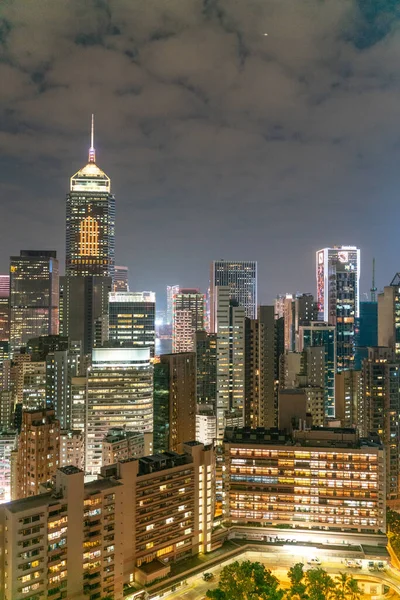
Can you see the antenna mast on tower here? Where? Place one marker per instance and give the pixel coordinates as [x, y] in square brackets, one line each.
[373, 288]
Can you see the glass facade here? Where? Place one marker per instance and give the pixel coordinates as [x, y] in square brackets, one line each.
[320, 334]
[34, 296]
[366, 331]
[131, 319]
[241, 278]
[119, 394]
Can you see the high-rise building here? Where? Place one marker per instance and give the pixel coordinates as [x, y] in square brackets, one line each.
[90, 228]
[230, 331]
[75, 540]
[4, 308]
[180, 376]
[305, 310]
[188, 314]
[61, 367]
[347, 470]
[338, 296]
[366, 331]
[34, 299]
[348, 398]
[171, 291]
[38, 451]
[121, 282]
[120, 444]
[318, 333]
[119, 394]
[84, 302]
[380, 409]
[72, 448]
[161, 407]
[284, 307]
[389, 316]
[206, 368]
[78, 403]
[131, 319]
[241, 279]
[264, 341]
[7, 445]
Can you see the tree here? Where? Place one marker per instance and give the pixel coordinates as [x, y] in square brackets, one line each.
[319, 584]
[246, 581]
[298, 588]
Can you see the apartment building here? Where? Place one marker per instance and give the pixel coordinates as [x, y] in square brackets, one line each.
[84, 541]
[62, 544]
[120, 444]
[321, 478]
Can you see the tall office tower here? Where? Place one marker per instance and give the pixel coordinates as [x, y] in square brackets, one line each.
[379, 412]
[230, 331]
[90, 228]
[171, 291]
[366, 334]
[119, 394]
[34, 299]
[61, 367]
[305, 310]
[263, 348]
[284, 307]
[354, 468]
[85, 309]
[177, 374]
[121, 283]
[4, 308]
[241, 279]
[389, 316]
[188, 314]
[338, 297]
[318, 333]
[38, 450]
[131, 319]
[7, 445]
[349, 389]
[34, 390]
[206, 368]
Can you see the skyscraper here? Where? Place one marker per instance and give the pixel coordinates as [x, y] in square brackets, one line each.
[34, 296]
[241, 278]
[189, 306]
[318, 333]
[171, 291]
[4, 308]
[338, 296]
[119, 394]
[121, 283]
[90, 221]
[131, 319]
[230, 330]
[389, 316]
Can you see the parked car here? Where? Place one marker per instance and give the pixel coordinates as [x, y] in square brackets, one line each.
[208, 576]
[314, 561]
[381, 566]
[371, 565]
[350, 563]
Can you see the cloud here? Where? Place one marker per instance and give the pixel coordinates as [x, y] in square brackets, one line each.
[201, 117]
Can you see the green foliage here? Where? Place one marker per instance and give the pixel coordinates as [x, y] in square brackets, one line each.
[252, 581]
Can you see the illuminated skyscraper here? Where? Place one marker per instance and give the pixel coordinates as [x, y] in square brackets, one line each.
[131, 319]
[189, 306]
[90, 221]
[34, 296]
[241, 278]
[4, 308]
[338, 296]
[119, 394]
[171, 291]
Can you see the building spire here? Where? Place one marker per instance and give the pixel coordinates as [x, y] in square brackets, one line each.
[92, 151]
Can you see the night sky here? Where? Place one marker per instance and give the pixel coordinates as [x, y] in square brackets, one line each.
[221, 142]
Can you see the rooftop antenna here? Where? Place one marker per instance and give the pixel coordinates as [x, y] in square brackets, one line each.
[373, 288]
[92, 151]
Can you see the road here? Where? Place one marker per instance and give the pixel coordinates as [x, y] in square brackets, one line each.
[196, 588]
